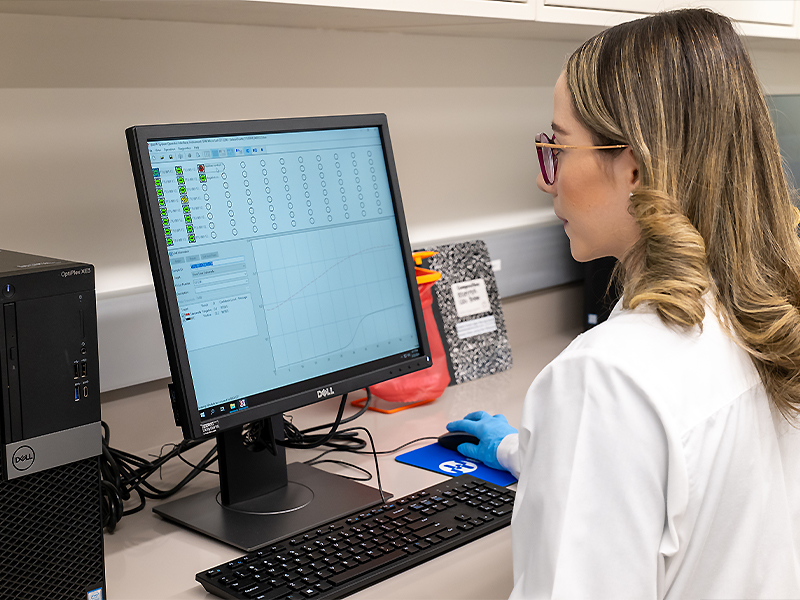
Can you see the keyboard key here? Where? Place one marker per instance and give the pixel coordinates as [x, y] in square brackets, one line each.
[424, 522]
[241, 584]
[273, 594]
[364, 568]
[254, 590]
[397, 513]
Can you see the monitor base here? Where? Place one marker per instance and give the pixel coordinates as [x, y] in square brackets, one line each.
[312, 497]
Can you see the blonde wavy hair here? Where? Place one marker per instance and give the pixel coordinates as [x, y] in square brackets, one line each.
[713, 203]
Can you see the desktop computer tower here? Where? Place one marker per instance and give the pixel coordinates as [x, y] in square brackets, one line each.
[51, 533]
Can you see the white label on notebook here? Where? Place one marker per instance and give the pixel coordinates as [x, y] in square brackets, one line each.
[467, 329]
[471, 298]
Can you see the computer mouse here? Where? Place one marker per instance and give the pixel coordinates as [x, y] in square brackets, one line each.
[453, 439]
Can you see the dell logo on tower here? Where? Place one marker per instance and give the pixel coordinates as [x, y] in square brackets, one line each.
[325, 392]
[23, 458]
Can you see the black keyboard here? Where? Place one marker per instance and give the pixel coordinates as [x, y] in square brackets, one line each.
[353, 552]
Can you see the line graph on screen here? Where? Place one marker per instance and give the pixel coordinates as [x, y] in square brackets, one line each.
[333, 292]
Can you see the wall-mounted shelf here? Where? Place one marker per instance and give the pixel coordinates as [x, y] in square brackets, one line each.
[531, 19]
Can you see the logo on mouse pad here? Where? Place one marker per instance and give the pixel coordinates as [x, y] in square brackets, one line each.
[458, 467]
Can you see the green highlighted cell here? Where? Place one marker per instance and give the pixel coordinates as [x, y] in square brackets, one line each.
[182, 190]
[179, 170]
[190, 229]
[159, 192]
[187, 218]
[181, 181]
[187, 210]
[165, 222]
[191, 239]
[163, 212]
[202, 178]
[158, 182]
[169, 241]
[162, 202]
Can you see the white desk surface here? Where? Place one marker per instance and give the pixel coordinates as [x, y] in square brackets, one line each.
[148, 558]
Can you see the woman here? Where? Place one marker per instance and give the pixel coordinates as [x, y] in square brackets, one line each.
[657, 455]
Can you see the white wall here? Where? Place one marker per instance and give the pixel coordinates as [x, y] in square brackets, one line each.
[462, 114]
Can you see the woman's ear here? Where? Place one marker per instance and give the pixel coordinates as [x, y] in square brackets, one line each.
[629, 168]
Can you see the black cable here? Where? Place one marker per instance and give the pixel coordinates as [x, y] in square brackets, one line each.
[381, 452]
[368, 475]
[317, 460]
[348, 419]
[309, 442]
[124, 473]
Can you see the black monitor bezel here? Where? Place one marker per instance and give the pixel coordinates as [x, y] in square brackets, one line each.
[264, 404]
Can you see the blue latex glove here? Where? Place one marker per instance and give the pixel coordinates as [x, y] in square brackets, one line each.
[489, 429]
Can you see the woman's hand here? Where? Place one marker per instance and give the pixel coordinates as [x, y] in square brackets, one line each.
[490, 430]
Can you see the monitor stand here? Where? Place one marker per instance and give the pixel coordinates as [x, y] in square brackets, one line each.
[261, 499]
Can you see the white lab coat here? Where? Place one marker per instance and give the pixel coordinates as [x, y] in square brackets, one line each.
[652, 466]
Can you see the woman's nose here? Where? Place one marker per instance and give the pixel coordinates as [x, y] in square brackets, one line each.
[548, 189]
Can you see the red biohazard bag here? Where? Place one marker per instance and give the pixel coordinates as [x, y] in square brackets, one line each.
[423, 386]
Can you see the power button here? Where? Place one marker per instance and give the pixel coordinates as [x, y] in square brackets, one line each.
[8, 290]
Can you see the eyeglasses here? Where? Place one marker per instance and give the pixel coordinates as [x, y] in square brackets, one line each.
[547, 159]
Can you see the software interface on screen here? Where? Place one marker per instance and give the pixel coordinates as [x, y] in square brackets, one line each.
[285, 258]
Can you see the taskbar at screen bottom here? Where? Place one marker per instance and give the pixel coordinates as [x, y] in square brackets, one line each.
[213, 412]
[210, 413]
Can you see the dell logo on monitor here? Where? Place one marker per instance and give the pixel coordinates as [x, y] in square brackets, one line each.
[325, 392]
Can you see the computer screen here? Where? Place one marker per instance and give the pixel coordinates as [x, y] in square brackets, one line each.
[282, 267]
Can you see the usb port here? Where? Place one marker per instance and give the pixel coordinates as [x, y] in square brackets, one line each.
[83, 368]
[77, 373]
[86, 391]
[77, 393]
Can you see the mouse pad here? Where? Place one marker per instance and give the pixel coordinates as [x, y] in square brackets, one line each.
[449, 462]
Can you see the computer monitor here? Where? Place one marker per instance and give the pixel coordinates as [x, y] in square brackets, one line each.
[284, 276]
